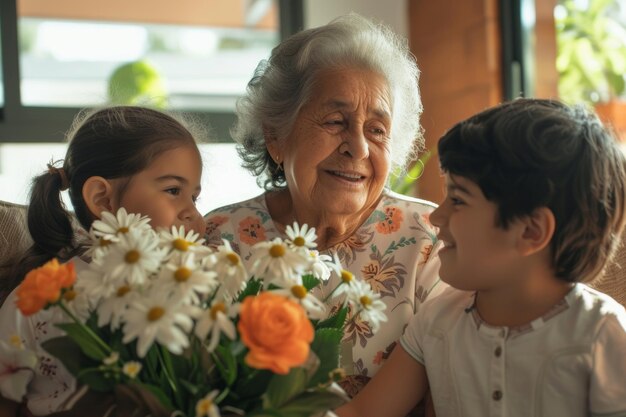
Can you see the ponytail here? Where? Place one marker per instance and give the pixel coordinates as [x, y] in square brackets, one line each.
[49, 225]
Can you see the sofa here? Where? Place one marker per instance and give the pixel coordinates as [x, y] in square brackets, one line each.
[14, 239]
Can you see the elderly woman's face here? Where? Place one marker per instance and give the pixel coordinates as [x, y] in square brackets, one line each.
[337, 156]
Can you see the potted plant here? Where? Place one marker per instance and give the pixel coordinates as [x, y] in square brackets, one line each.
[591, 58]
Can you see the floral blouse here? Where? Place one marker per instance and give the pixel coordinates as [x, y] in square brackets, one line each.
[394, 250]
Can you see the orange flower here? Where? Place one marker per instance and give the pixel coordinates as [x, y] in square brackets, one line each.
[276, 331]
[43, 285]
[392, 222]
[251, 231]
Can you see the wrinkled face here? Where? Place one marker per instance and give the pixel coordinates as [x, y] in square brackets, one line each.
[337, 156]
[167, 190]
[478, 254]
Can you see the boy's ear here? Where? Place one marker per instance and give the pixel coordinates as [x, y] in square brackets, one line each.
[538, 231]
[98, 195]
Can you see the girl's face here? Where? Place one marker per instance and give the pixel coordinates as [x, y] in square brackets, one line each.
[167, 190]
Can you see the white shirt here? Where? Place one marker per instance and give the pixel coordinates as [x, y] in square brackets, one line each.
[571, 362]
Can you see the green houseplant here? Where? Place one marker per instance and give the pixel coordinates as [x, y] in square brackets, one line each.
[591, 58]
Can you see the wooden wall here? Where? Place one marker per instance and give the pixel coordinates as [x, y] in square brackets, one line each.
[458, 49]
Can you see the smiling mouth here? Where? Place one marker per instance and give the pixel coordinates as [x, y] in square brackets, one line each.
[347, 175]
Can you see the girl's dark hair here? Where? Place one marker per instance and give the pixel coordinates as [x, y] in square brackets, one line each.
[114, 142]
[531, 153]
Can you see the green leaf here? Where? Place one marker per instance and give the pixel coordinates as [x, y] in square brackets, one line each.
[79, 334]
[226, 364]
[335, 321]
[310, 403]
[77, 363]
[309, 282]
[283, 388]
[252, 288]
[326, 346]
[157, 392]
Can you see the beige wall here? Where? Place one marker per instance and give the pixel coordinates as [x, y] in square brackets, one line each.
[228, 13]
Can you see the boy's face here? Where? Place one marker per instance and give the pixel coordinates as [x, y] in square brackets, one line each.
[478, 255]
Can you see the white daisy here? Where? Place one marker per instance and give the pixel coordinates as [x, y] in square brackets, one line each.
[367, 304]
[131, 369]
[97, 245]
[77, 302]
[112, 226]
[229, 269]
[17, 366]
[178, 243]
[112, 309]
[186, 279]
[133, 258]
[346, 281]
[206, 407]
[158, 317]
[95, 284]
[276, 263]
[314, 308]
[317, 265]
[333, 264]
[301, 237]
[216, 320]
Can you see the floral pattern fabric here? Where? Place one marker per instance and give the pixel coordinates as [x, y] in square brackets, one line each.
[394, 250]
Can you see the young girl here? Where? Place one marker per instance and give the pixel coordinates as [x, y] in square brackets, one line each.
[131, 157]
[534, 207]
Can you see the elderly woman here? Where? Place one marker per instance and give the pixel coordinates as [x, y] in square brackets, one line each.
[325, 120]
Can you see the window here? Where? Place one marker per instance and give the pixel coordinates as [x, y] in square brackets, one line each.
[194, 56]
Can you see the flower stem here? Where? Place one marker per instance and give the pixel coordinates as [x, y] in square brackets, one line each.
[89, 331]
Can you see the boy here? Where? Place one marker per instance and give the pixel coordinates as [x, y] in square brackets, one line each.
[534, 206]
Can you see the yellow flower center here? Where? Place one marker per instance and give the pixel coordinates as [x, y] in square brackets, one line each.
[181, 245]
[365, 301]
[155, 313]
[299, 241]
[104, 242]
[182, 274]
[233, 258]
[299, 291]
[16, 341]
[346, 276]
[277, 251]
[123, 290]
[123, 230]
[203, 407]
[132, 256]
[69, 295]
[217, 308]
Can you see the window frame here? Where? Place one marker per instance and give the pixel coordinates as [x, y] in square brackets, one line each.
[28, 124]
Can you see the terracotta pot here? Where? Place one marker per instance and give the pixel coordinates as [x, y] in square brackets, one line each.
[613, 114]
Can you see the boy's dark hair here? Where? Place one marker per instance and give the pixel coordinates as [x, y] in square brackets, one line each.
[531, 153]
[113, 142]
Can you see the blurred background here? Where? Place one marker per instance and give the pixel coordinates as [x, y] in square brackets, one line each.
[196, 56]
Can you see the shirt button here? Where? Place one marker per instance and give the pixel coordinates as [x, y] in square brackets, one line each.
[498, 352]
[497, 395]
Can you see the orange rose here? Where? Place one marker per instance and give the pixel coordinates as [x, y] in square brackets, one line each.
[43, 285]
[276, 331]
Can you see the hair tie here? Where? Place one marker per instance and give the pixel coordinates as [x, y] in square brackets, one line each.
[65, 184]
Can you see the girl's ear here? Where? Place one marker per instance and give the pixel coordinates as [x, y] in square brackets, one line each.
[98, 195]
[538, 231]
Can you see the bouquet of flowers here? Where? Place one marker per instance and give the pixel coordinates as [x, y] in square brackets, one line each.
[161, 323]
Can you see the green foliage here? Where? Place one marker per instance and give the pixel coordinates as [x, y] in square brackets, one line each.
[137, 83]
[591, 58]
[405, 182]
